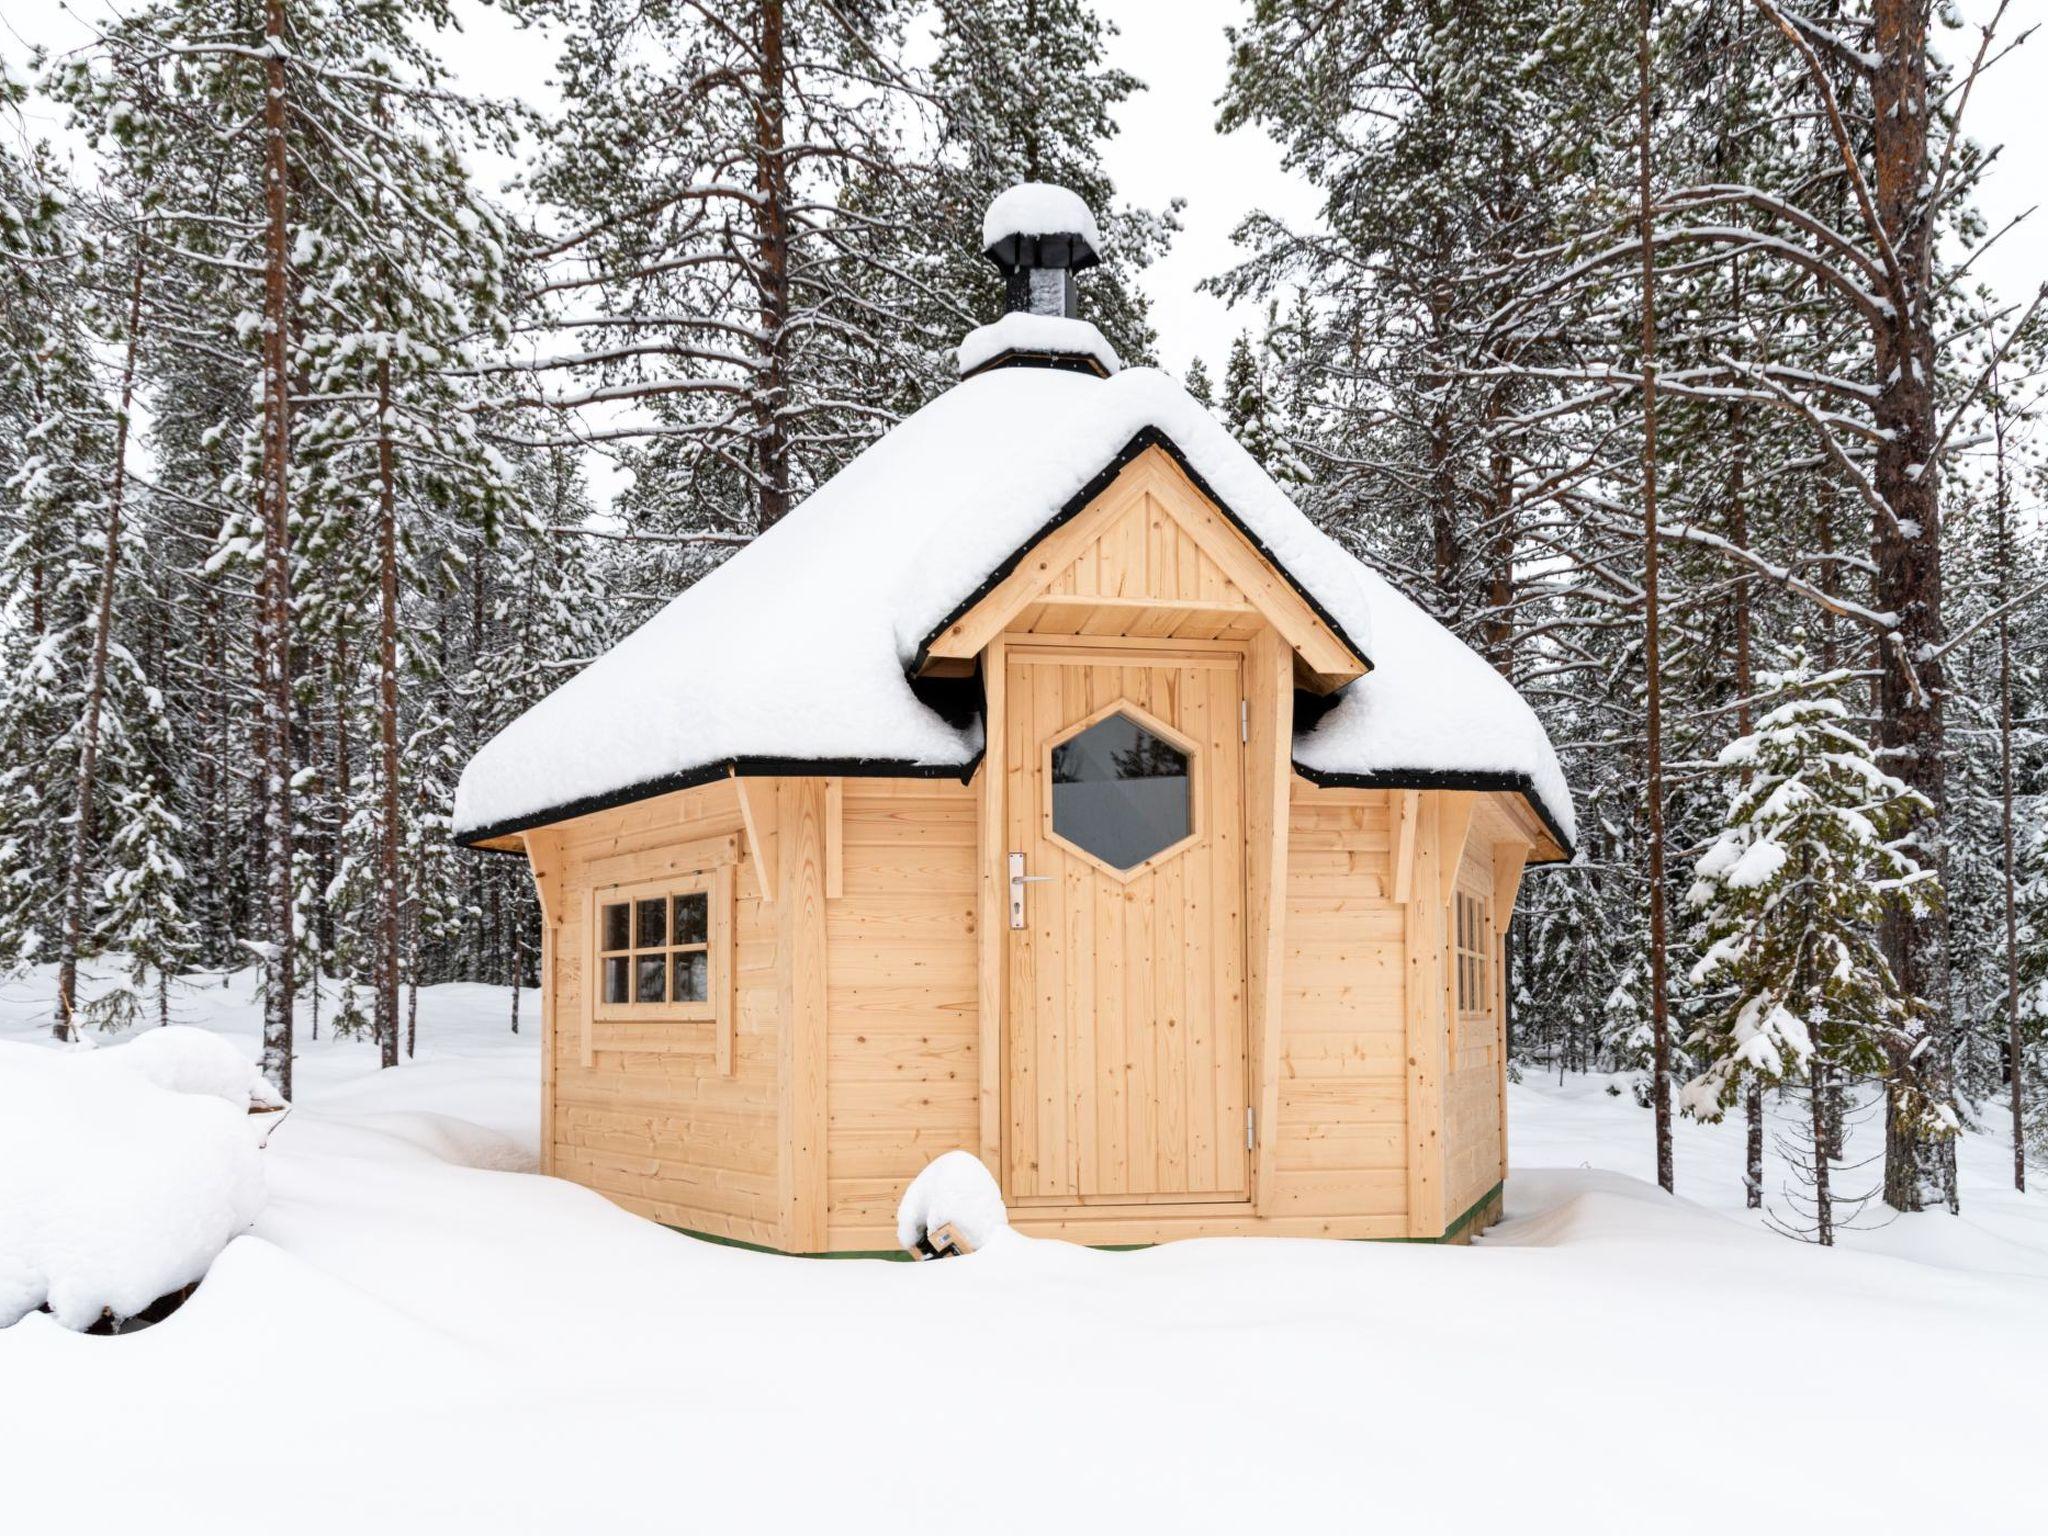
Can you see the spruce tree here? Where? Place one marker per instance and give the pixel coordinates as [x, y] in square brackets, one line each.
[1794, 890]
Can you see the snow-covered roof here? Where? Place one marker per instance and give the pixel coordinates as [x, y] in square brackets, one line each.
[1038, 208]
[798, 650]
[1037, 335]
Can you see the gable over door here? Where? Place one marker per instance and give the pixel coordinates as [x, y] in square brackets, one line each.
[1126, 1072]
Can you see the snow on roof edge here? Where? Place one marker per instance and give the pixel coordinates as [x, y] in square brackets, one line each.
[743, 767]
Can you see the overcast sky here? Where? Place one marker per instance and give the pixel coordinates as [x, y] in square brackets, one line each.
[1168, 146]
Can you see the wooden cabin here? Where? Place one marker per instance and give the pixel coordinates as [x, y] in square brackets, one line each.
[1044, 786]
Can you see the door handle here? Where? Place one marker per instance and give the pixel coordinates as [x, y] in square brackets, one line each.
[1018, 880]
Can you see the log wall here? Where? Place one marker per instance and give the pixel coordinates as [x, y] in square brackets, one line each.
[671, 1137]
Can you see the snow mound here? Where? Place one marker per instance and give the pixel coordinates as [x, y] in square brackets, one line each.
[115, 1187]
[1022, 332]
[1039, 208]
[954, 1188]
[182, 1059]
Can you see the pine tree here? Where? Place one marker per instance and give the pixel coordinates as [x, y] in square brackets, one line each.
[144, 899]
[1252, 415]
[706, 268]
[1795, 890]
[53, 444]
[1026, 93]
[378, 266]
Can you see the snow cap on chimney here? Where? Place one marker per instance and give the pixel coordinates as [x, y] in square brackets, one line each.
[1039, 236]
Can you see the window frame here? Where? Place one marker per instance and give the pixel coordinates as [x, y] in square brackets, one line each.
[708, 869]
[1180, 741]
[1472, 954]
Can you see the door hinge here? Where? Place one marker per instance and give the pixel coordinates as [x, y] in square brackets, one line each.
[1244, 719]
[1250, 1127]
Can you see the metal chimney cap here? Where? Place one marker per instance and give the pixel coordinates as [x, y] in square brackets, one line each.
[1036, 225]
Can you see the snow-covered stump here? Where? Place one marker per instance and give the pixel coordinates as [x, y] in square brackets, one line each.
[950, 1209]
[123, 1173]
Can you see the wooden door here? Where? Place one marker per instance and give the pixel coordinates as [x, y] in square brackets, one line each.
[1126, 1076]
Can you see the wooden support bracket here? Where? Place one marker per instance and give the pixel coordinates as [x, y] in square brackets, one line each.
[756, 815]
[1407, 813]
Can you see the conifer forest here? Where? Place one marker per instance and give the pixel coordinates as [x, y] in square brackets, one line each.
[349, 404]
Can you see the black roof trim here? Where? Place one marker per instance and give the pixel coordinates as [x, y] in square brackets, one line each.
[1064, 362]
[1147, 437]
[888, 768]
[1448, 778]
[711, 773]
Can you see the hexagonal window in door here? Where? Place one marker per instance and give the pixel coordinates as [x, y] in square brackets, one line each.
[1122, 789]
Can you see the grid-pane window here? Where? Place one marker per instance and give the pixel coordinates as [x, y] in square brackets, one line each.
[654, 948]
[1472, 950]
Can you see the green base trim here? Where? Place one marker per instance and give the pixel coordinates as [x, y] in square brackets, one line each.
[1471, 1216]
[897, 1256]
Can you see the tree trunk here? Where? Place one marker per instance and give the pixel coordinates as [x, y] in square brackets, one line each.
[274, 592]
[65, 1025]
[1823, 1200]
[1497, 632]
[387, 725]
[771, 390]
[2014, 1043]
[1906, 549]
[1660, 1017]
[1745, 687]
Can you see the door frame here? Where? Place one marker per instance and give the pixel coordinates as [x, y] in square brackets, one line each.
[992, 814]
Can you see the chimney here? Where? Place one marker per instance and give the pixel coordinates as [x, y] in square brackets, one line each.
[1039, 236]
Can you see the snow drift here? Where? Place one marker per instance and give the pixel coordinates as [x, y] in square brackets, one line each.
[123, 1172]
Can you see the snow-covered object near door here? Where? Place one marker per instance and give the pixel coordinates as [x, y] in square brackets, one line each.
[116, 1187]
[954, 1190]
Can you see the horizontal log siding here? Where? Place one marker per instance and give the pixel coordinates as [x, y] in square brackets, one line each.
[903, 1081]
[1342, 1130]
[664, 1134]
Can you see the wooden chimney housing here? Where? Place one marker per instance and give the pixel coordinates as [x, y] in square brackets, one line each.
[1046, 786]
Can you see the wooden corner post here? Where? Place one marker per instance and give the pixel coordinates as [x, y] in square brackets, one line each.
[1268, 793]
[1427, 1035]
[991, 919]
[544, 860]
[1509, 860]
[800, 982]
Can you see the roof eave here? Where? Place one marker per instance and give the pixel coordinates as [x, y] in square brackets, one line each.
[1510, 781]
[758, 767]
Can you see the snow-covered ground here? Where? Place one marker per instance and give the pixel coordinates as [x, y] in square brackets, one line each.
[419, 1336]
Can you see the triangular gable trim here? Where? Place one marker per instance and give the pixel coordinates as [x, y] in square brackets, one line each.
[1147, 438]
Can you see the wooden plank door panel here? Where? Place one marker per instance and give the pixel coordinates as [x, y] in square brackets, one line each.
[1125, 1032]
